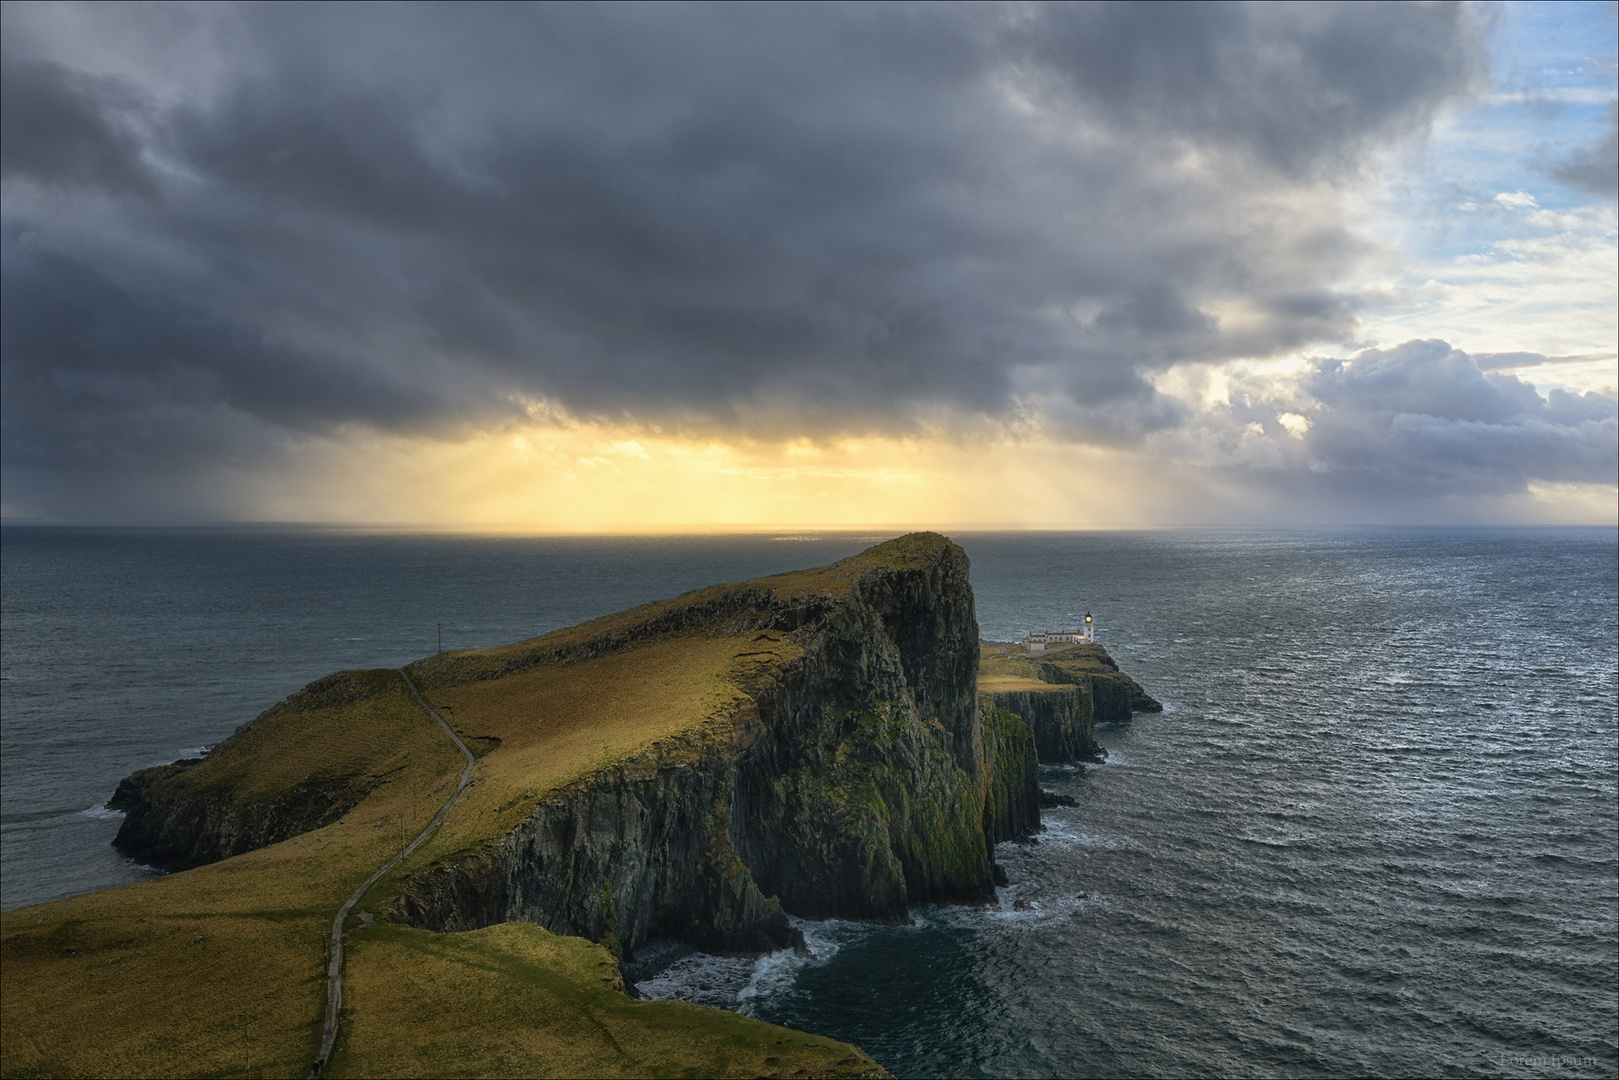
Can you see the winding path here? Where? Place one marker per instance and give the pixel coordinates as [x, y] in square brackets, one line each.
[334, 970]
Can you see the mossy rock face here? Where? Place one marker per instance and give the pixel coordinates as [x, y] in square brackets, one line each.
[1059, 716]
[1012, 795]
[696, 769]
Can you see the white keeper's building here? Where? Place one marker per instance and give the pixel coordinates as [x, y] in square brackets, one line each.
[1038, 642]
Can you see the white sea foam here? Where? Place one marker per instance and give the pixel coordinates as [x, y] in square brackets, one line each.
[1065, 833]
[702, 979]
[102, 812]
[1017, 908]
[772, 974]
[741, 983]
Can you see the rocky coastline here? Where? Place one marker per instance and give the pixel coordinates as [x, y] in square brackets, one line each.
[835, 758]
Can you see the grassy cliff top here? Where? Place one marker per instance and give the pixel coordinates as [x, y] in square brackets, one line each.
[1000, 684]
[713, 609]
[1006, 667]
[197, 973]
[999, 661]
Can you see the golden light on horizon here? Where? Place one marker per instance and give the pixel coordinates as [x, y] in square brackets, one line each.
[598, 477]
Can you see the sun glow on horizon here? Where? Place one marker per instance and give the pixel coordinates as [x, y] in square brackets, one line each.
[584, 477]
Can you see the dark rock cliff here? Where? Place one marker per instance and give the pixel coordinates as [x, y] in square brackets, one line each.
[1060, 718]
[858, 778]
[1062, 695]
[857, 783]
[1114, 695]
[1012, 808]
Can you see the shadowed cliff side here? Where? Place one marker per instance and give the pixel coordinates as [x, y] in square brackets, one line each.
[696, 769]
[693, 769]
[1062, 694]
[1059, 717]
[847, 779]
[1115, 694]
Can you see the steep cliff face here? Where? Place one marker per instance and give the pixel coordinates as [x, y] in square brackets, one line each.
[854, 781]
[640, 850]
[1012, 808]
[1062, 694]
[864, 790]
[1114, 694]
[840, 768]
[1060, 717]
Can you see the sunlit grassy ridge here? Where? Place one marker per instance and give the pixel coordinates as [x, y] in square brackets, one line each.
[199, 972]
[994, 684]
[157, 978]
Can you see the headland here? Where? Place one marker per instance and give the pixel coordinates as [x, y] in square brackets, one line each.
[693, 771]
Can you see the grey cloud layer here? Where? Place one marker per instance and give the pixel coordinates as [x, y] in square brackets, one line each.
[784, 218]
[1405, 429]
[1595, 168]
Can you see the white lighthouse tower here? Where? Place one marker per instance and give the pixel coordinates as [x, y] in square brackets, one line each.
[1090, 628]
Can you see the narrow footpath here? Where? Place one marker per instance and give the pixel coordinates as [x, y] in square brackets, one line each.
[334, 970]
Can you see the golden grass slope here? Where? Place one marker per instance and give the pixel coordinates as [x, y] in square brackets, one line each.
[161, 977]
[542, 1005]
[201, 972]
[1003, 667]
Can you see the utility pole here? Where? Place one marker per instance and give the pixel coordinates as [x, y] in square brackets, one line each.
[440, 637]
[247, 1050]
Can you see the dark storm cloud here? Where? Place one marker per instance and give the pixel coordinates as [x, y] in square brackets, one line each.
[789, 218]
[1304, 86]
[64, 127]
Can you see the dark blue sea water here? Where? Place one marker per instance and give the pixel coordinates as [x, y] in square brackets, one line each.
[1375, 831]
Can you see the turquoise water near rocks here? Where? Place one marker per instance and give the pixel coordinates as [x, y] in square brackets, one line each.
[1375, 831]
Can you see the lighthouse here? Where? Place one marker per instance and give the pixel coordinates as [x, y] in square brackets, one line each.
[1038, 642]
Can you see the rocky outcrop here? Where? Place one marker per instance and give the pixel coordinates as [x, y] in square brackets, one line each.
[858, 782]
[856, 779]
[202, 810]
[170, 824]
[1114, 695]
[1062, 695]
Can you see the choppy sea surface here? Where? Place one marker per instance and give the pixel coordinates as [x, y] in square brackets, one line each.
[1375, 831]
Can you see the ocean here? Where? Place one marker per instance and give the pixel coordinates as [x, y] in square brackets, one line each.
[1375, 831]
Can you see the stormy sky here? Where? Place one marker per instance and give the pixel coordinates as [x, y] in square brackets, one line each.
[559, 266]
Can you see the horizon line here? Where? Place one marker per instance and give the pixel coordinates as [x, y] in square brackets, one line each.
[695, 529]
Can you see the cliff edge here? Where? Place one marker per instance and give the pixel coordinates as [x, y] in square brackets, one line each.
[695, 769]
[1062, 694]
